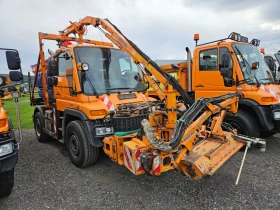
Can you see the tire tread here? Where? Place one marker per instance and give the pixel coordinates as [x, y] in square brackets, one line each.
[6, 183]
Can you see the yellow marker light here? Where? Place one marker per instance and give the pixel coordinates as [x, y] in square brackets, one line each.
[262, 50]
[98, 112]
[3, 122]
[268, 99]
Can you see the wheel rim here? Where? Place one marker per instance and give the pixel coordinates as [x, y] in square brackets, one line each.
[38, 128]
[237, 126]
[74, 145]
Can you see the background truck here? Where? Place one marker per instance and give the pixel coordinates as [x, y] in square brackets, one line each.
[8, 143]
[243, 70]
[273, 62]
[93, 97]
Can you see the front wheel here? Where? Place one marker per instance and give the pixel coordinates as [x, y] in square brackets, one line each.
[6, 183]
[244, 123]
[81, 153]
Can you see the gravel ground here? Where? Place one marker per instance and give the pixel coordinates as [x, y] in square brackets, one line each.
[46, 179]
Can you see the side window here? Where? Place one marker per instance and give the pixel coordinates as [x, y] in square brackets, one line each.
[65, 64]
[223, 50]
[208, 60]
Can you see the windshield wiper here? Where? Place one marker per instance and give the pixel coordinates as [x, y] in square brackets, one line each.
[248, 81]
[244, 60]
[90, 84]
[120, 88]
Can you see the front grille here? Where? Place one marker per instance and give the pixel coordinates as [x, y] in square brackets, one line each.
[122, 124]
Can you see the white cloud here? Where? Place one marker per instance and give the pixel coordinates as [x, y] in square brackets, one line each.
[161, 28]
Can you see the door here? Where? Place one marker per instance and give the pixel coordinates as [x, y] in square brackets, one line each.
[208, 79]
[65, 78]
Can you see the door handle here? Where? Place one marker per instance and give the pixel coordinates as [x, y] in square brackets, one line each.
[199, 85]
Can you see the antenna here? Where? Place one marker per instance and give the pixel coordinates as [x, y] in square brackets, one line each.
[273, 47]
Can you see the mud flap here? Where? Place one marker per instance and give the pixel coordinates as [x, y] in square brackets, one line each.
[208, 156]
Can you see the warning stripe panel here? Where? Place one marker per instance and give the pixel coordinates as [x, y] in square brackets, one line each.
[271, 92]
[128, 158]
[108, 103]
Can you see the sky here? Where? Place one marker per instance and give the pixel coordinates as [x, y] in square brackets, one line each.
[160, 28]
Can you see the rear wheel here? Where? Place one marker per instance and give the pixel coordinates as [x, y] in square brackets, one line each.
[6, 183]
[82, 154]
[39, 128]
[244, 123]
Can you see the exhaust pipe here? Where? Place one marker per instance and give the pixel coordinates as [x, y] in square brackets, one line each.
[189, 59]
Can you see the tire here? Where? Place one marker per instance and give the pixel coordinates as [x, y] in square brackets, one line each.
[39, 128]
[81, 153]
[245, 123]
[265, 134]
[6, 183]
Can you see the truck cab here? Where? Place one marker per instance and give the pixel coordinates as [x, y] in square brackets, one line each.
[229, 65]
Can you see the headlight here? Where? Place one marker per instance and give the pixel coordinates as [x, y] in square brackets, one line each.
[276, 115]
[104, 131]
[6, 149]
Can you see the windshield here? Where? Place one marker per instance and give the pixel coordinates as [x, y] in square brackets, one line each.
[110, 70]
[248, 54]
[277, 56]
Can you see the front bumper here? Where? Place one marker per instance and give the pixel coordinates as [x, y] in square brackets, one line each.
[117, 123]
[8, 162]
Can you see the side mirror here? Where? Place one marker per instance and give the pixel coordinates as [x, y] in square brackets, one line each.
[228, 82]
[66, 56]
[278, 68]
[13, 60]
[225, 60]
[255, 65]
[15, 76]
[52, 81]
[225, 70]
[52, 68]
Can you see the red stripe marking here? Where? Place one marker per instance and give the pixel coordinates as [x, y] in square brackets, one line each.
[140, 168]
[109, 104]
[138, 153]
[266, 89]
[157, 169]
[127, 159]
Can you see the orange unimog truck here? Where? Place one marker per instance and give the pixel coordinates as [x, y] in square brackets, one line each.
[93, 97]
[8, 143]
[229, 65]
